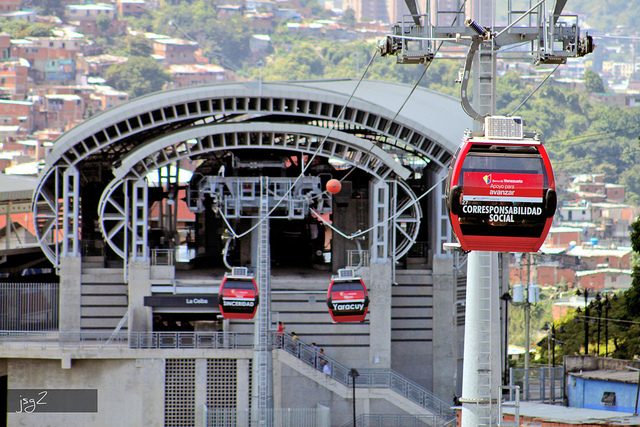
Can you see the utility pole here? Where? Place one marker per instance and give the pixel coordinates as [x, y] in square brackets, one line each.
[527, 330]
[527, 321]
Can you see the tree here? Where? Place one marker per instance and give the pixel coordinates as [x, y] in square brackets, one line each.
[138, 76]
[593, 82]
[103, 22]
[135, 46]
[21, 29]
[349, 17]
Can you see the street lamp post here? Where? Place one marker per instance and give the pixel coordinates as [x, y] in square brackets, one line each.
[353, 373]
[607, 306]
[586, 319]
[598, 307]
[550, 332]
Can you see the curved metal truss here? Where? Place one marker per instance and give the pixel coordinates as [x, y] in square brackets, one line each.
[120, 221]
[181, 109]
[56, 214]
[123, 214]
[164, 127]
[299, 138]
[407, 215]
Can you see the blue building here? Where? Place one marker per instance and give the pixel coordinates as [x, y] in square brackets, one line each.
[601, 383]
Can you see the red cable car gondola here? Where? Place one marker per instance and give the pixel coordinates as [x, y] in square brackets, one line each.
[238, 297]
[347, 297]
[501, 194]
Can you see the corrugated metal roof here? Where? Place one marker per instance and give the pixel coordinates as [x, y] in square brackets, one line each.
[608, 375]
[568, 415]
[598, 252]
[14, 187]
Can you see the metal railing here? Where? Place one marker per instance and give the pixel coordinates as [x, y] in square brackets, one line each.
[512, 404]
[130, 340]
[395, 420]
[29, 306]
[537, 383]
[371, 378]
[280, 417]
[163, 256]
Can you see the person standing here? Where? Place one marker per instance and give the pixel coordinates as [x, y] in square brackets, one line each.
[280, 334]
[314, 355]
[294, 344]
[322, 361]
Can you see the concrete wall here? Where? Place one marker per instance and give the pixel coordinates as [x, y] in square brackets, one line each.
[130, 391]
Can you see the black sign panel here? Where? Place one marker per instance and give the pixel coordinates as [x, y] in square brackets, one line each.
[208, 300]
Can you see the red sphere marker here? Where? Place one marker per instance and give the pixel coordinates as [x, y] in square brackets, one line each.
[334, 186]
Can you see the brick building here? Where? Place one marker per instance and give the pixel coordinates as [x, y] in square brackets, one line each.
[51, 57]
[97, 65]
[594, 258]
[13, 79]
[7, 6]
[175, 51]
[608, 278]
[108, 97]
[198, 74]
[60, 111]
[17, 113]
[133, 8]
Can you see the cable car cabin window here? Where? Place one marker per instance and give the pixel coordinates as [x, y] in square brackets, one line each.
[346, 287]
[239, 284]
[503, 192]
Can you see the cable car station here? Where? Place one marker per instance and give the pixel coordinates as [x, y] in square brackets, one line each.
[108, 212]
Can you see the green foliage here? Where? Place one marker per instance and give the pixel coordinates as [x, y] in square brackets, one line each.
[619, 319]
[47, 7]
[607, 14]
[540, 314]
[223, 40]
[593, 82]
[349, 17]
[134, 46]
[21, 29]
[138, 76]
[103, 22]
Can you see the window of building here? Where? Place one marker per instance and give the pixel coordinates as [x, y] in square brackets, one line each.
[609, 398]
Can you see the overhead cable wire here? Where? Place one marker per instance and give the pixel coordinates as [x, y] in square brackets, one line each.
[535, 90]
[334, 123]
[393, 217]
[637, 150]
[593, 135]
[415, 86]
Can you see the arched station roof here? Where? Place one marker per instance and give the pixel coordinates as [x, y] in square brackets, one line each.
[430, 124]
[382, 123]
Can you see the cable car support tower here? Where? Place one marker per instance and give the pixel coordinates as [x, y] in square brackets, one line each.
[552, 38]
[261, 199]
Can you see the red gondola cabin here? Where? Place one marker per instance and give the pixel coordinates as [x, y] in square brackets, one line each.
[501, 194]
[347, 298]
[238, 297]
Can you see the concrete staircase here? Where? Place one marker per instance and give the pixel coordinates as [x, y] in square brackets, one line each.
[104, 299]
[405, 395]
